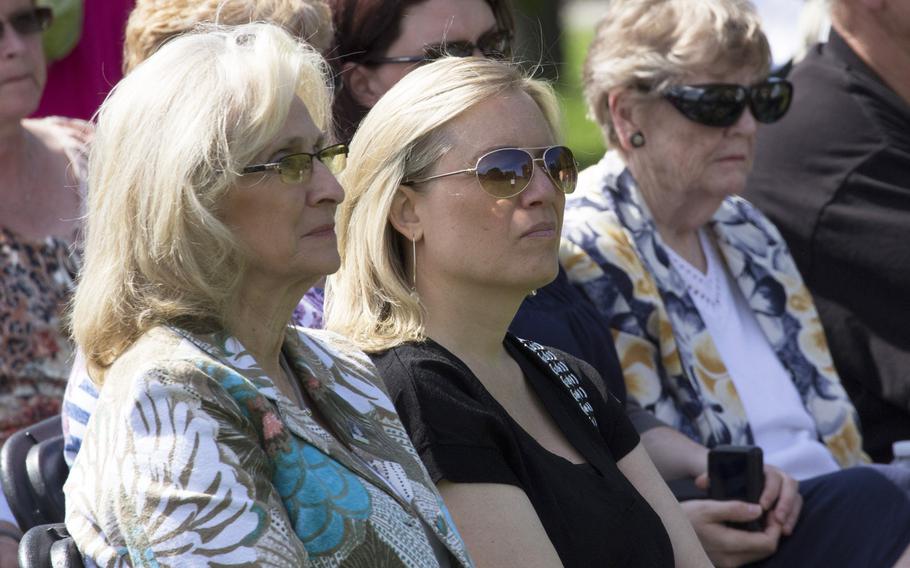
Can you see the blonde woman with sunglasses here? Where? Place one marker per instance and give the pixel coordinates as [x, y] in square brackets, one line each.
[453, 216]
[224, 435]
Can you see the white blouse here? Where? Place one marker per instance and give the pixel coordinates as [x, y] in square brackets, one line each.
[780, 423]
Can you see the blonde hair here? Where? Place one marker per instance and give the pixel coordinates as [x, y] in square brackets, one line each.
[170, 139]
[369, 299]
[153, 22]
[653, 43]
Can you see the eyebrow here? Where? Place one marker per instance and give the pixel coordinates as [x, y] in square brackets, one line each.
[299, 143]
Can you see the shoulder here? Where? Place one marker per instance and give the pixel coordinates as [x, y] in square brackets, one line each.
[739, 216]
[594, 182]
[162, 368]
[332, 346]
[416, 364]
[551, 357]
[69, 137]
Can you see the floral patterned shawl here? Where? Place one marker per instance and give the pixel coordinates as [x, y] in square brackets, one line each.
[613, 251]
[194, 458]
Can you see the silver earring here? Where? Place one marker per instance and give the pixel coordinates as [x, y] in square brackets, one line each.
[637, 140]
[533, 293]
[414, 267]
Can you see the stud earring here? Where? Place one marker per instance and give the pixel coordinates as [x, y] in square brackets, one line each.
[637, 140]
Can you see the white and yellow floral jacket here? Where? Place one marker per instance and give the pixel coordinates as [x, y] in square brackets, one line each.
[611, 248]
[195, 458]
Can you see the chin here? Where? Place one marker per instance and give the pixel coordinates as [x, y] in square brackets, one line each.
[543, 276]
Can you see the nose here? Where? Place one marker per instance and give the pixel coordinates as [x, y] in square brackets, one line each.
[324, 187]
[12, 43]
[541, 190]
[745, 124]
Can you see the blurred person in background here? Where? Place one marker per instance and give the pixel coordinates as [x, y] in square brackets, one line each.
[834, 176]
[42, 169]
[377, 42]
[79, 79]
[716, 332]
[224, 434]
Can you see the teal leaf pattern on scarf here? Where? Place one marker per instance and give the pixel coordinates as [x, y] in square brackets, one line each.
[323, 498]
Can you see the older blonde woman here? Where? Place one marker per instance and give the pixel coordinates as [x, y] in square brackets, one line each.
[453, 217]
[223, 435]
[150, 25]
[717, 334]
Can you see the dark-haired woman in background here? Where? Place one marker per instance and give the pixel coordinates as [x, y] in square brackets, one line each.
[377, 42]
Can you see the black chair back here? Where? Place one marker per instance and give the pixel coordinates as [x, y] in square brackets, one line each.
[32, 473]
[48, 546]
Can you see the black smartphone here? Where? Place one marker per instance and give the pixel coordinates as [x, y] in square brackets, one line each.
[737, 473]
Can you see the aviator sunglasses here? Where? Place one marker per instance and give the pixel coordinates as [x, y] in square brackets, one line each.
[721, 104]
[27, 22]
[493, 45]
[506, 172]
[298, 168]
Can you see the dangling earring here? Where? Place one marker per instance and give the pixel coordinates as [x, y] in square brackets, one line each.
[637, 140]
[414, 267]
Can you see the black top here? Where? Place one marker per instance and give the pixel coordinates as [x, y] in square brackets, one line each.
[834, 175]
[560, 315]
[592, 514]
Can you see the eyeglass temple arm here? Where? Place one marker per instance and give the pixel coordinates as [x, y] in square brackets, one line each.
[437, 176]
[260, 168]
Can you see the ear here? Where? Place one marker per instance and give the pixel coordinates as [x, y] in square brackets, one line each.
[403, 213]
[363, 84]
[623, 106]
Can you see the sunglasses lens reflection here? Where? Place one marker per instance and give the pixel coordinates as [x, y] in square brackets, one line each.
[507, 172]
[504, 173]
[722, 105]
[771, 100]
[562, 167]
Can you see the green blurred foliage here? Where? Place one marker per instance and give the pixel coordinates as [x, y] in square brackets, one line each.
[539, 25]
[582, 135]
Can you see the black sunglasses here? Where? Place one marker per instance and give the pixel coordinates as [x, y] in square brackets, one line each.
[506, 172]
[493, 45]
[29, 21]
[722, 104]
[298, 168]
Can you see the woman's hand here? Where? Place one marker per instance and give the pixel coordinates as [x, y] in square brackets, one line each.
[781, 492]
[732, 547]
[728, 547]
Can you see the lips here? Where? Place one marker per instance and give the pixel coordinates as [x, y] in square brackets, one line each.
[15, 78]
[322, 231]
[544, 229]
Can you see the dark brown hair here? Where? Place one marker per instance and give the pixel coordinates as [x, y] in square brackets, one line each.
[366, 28]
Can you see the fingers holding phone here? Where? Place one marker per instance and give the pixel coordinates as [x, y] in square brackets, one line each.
[781, 498]
[727, 546]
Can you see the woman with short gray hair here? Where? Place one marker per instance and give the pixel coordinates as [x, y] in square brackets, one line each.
[717, 333]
